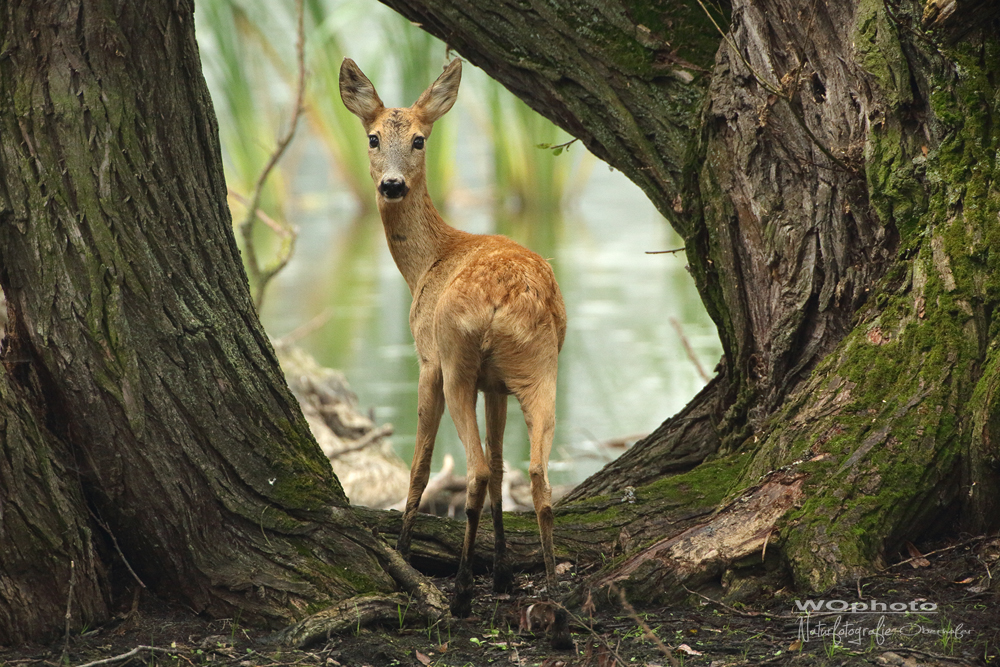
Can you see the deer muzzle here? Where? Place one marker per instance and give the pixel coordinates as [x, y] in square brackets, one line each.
[393, 189]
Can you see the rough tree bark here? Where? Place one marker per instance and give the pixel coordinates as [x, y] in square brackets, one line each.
[143, 407]
[834, 175]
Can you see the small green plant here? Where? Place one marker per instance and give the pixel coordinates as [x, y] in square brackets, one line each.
[401, 611]
[493, 618]
[947, 638]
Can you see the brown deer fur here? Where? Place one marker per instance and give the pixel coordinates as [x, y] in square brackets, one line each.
[487, 315]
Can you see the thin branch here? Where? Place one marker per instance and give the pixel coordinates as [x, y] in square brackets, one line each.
[262, 277]
[69, 607]
[125, 656]
[365, 440]
[974, 540]
[725, 36]
[558, 148]
[778, 92]
[689, 350]
[596, 637]
[114, 541]
[303, 330]
[276, 226]
[665, 252]
[645, 627]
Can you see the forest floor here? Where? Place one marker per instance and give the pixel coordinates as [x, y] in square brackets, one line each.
[958, 625]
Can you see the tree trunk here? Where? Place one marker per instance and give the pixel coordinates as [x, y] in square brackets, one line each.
[136, 357]
[839, 205]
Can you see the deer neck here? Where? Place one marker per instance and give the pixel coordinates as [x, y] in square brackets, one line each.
[416, 233]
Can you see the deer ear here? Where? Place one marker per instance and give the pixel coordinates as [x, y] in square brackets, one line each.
[358, 93]
[439, 98]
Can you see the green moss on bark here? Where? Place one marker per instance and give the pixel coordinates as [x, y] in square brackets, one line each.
[890, 411]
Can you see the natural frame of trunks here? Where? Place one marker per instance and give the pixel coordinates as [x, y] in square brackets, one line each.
[832, 169]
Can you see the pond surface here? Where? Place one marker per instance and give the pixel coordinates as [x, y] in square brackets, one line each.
[623, 369]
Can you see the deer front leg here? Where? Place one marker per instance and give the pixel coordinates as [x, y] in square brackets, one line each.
[496, 420]
[430, 407]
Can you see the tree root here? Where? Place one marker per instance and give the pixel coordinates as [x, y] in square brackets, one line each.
[419, 598]
[347, 616]
[703, 551]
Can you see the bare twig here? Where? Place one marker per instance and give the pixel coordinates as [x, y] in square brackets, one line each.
[650, 635]
[665, 252]
[979, 538]
[746, 614]
[558, 148]
[114, 541]
[261, 276]
[276, 226]
[365, 440]
[69, 607]
[689, 350]
[125, 656]
[303, 330]
[583, 623]
[928, 654]
[779, 92]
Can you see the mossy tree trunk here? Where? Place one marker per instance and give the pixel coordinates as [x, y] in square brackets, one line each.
[834, 173]
[145, 419]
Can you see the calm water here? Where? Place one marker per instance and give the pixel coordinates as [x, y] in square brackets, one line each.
[623, 368]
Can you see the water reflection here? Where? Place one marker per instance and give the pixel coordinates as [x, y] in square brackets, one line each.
[623, 368]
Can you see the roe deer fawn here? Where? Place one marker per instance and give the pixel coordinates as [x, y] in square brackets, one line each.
[487, 315]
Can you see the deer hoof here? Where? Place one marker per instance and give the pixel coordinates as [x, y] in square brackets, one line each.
[561, 640]
[461, 606]
[503, 580]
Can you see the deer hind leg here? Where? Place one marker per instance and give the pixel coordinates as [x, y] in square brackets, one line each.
[460, 394]
[496, 420]
[538, 402]
[430, 407]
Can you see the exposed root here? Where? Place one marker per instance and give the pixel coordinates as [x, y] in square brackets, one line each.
[704, 550]
[419, 599]
[348, 616]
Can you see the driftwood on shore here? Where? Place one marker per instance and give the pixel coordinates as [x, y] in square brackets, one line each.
[359, 450]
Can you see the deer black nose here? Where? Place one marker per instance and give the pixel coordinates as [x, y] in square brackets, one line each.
[393, 188]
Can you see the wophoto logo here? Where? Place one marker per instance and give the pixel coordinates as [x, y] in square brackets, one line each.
[863, 607]
[860, 621]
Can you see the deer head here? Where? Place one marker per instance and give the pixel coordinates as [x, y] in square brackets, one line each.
[397, 136]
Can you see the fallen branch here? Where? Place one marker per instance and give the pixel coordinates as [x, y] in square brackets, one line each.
[974, 540]
[365, 440]
[442, 480]
[125, 656]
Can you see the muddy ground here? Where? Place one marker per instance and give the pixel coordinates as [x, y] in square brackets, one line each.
[951, 618]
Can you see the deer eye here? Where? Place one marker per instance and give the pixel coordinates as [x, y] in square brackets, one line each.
[372, 141]
[418, 143]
